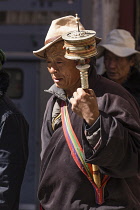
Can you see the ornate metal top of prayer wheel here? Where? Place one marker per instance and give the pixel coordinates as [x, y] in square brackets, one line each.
[80, 44]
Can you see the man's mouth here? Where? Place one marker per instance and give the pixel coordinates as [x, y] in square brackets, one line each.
[57, 79]
[111, 73]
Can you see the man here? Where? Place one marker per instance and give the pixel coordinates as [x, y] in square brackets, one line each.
[121, 60]
[13, 146]
[84, 129]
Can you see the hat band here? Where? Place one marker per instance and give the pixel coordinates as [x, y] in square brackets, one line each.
[51, 39]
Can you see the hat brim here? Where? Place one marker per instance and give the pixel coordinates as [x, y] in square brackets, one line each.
[41, 53]
[117, 50]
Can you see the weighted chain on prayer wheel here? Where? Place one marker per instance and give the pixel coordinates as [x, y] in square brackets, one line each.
[80, 45]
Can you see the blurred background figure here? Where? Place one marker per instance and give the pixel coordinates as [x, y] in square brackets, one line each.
[121, 60]
[13, 146]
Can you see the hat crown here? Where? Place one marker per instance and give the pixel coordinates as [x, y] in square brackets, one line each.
[63, 25]
[121, 38]
[58, 28]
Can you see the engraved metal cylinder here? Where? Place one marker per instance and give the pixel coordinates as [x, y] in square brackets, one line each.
[84, 75]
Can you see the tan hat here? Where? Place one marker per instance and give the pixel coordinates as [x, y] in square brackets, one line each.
[120, 42]
[59, 27]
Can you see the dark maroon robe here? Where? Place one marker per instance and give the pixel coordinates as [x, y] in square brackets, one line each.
[62, 185]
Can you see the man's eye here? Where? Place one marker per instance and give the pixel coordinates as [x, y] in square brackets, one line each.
[59, 62]
[48, 63]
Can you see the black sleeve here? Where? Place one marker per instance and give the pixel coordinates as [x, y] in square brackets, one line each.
[118, 148]
[13, 159]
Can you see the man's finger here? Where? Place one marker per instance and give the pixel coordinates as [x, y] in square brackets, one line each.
[91, 92]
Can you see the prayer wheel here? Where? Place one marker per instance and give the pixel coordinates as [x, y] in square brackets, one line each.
[80, 45]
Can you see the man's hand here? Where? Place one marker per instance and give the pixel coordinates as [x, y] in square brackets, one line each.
[84, 103]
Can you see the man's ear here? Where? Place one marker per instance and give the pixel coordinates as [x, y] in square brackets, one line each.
[87, 60]
[133, 61]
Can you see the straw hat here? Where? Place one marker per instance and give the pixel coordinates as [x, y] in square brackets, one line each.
[59, 27]
[120, 42]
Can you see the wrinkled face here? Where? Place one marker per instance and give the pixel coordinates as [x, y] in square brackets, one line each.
[63, 71]
[117, 68]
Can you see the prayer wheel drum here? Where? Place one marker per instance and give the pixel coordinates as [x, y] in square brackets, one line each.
[80, 44]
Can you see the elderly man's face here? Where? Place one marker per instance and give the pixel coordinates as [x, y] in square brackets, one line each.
[117, 68]
[63, 71]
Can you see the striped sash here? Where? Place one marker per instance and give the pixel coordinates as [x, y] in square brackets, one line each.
[78, 155]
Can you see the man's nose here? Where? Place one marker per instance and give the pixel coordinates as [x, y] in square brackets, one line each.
[54, 68]
[112, 63]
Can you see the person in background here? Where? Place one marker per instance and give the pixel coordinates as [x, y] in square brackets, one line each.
[13, 146]
[121, 60]
[90, 139]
